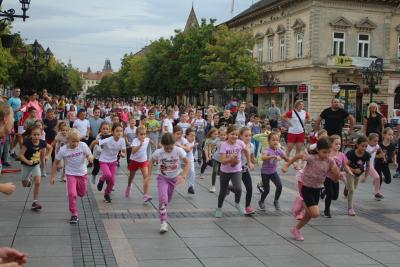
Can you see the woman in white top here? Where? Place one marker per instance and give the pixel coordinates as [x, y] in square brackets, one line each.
[167, 126]
[138, 160]
[111, 147]
[296, 119]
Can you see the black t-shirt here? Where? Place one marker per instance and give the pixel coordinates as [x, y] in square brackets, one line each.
[374, 124]
[334, 120]
[388, 153]
[223, 122]
[357, 162]
[33, 151]
[50, 128]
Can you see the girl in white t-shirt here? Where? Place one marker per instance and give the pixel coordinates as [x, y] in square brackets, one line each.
[74, 154]
[138, 160]
[111, 147]
[170, 174]
[61, 140]
[167, 126]
[104, 133]
[129, 134]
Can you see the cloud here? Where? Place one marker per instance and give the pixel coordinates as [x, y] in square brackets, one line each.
[88, 31]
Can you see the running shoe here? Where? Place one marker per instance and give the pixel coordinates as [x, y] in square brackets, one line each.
[107, 198]
[351, 212]
[240, 209]
[276, 205]
[297, 234]
[163, 228]
[327, 214]
[397, 175]
[36, 205]
[191, 190]
[147, 198]
[128, 191]
[74, 220]
[378, 197]
[100, 185]
[212, 189]
[261, 205]
[249, 210]
[219, 213]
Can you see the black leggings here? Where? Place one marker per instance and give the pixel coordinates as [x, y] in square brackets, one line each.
[332, 192]
[128, 154]
[277, 182]
[383, 170]
[246, 178]
[224, 184]
[205, 163]
[96, 167]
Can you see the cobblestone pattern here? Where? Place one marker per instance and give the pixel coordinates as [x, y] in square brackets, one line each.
[90, 243]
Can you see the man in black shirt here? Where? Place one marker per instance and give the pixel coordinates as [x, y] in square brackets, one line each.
[335, 117]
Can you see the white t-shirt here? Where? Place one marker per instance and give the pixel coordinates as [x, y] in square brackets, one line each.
[82, 126]
[169, 164]
[130, 133]
[240, 119]
[199, 125]
[168, 123]
[372, 151]
[110, 149]
[141, 154]
[182, 142]
[296, 127]
[75, 159]
[184, 126]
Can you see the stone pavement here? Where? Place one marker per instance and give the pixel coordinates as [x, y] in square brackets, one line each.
[125, 232]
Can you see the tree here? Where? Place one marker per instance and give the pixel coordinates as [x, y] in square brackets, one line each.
[229, 62]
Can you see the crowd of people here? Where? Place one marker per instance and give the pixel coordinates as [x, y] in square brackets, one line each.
[98, 134]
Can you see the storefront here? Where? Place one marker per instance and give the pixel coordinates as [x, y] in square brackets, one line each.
[350, 95]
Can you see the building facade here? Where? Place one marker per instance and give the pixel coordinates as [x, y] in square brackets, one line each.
[90, 79]
[315, 49]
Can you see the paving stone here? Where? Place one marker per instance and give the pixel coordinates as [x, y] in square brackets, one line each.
[235, 262]
[167, 253]
[172, 263]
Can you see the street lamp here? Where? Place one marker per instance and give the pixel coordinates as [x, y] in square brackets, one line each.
[9, 15]
[36, 47]
[372, 76]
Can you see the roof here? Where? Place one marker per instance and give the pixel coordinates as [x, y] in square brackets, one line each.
[94, 76]
[192, 20]
[253, 8]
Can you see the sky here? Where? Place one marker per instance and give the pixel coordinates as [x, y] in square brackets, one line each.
[89, 31]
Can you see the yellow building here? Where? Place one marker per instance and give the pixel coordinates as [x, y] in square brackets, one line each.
[315, 50]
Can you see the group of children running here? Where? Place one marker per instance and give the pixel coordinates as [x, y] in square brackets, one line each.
[230, 151]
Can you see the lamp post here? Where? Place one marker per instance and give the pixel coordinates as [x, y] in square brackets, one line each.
[9, 15]
[372, 76]
[36, 47]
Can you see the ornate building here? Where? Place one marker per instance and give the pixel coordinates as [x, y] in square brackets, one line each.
[315, 50]
[91, 79]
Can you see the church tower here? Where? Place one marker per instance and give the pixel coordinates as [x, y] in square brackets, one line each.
[107, 66]
[192, 20]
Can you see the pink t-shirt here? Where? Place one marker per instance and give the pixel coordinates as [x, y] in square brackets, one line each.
[316, 170]
[340, 161]
[229, 150]
[38, 108]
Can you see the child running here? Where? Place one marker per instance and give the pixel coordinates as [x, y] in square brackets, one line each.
[110, 146]
[170, 174]
[183, 143]
[209, 148]
[317, 167]
[245, 136]
[374, 150]
[129, 134]
[30, 155]
[138, 160]
[191, 138]
[271, 157]
[359, 160]
[386, 157]
[231, 168]
[104, 133]
[74, 154]
[61, 140]
[217, 157]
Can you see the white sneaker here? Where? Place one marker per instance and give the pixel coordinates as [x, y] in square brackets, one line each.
[212, 189]
[163, 228]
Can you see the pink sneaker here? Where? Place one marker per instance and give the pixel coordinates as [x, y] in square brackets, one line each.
[249, 210]
[128, 191]
[297, 234]
[300, 216]
[351, 212]
[147, 198]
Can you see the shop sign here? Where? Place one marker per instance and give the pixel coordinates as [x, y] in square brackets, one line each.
[302, 88]
[343, 61]
[266, 90]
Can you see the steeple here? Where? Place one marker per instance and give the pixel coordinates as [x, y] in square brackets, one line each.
[107, 66]
[192, 20]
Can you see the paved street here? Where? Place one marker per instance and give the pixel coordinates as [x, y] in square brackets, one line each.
[125, 233]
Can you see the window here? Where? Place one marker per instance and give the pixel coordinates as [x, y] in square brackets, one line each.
[282, 48]
[363, 45]
[338, 43]
[299, 45]
[270, 50]
[260, 50]
[398, 48]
